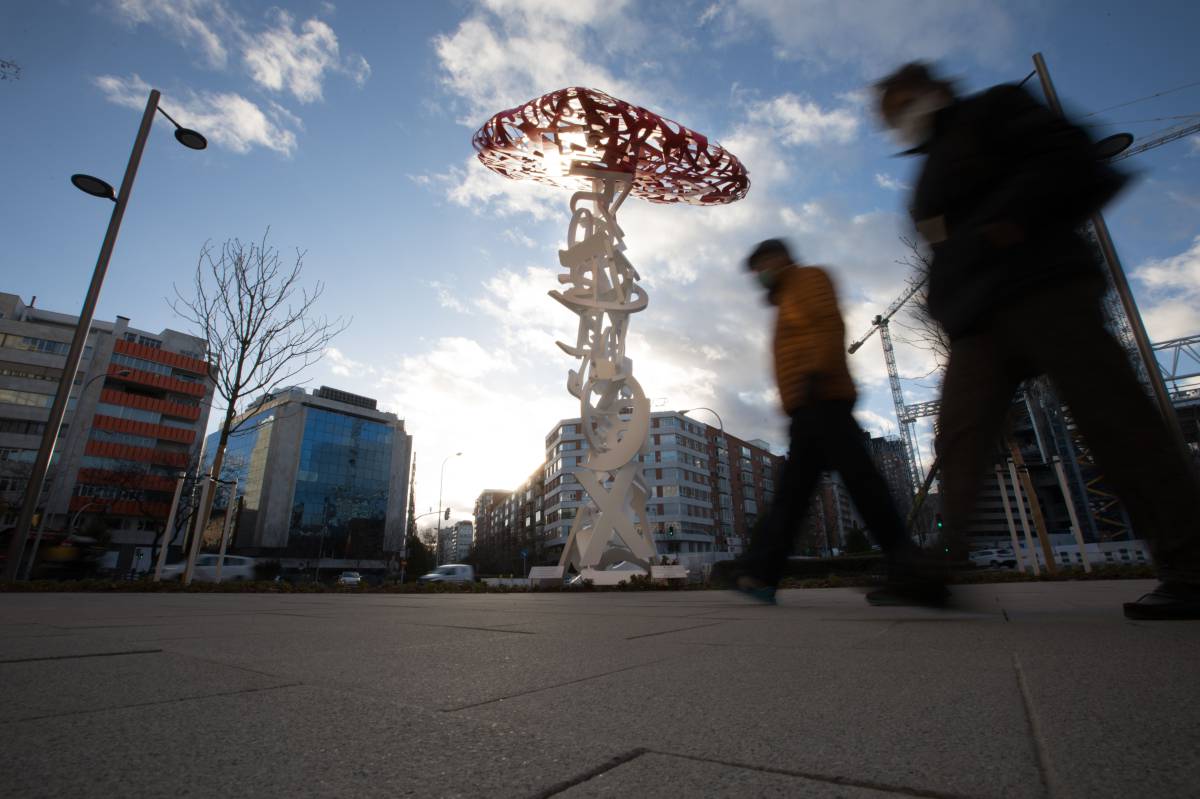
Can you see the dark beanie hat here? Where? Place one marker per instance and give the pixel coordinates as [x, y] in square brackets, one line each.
[768, 248]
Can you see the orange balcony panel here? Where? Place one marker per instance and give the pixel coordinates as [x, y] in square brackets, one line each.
[157, 381]
[174, 359]
[146, 482]
[124, 452]
[163, 432]
[191, 412]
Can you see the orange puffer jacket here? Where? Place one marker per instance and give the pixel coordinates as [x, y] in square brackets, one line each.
[810, 347]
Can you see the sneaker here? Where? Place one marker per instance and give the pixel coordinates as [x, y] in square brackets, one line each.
[755, 589]
[1169, 601]
[910, 593]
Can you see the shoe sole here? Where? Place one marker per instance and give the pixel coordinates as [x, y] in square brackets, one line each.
[879, 600]
[1138, 612]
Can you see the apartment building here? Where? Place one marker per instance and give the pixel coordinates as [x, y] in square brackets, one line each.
[135, 420]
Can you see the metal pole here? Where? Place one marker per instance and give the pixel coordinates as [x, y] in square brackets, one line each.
[1012, 528]
[437, 557]
[197, 530]
[1121, 284]
[59, 408]
[1016, 483]
[228, 523]
[169, 530]
[1062, 483]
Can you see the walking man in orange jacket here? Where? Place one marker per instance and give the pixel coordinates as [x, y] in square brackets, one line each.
[818, 395]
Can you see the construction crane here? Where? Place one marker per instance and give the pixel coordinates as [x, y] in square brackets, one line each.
[1158, 141]
[908, 439]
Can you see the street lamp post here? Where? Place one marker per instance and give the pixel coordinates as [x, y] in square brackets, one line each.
[720, 423]
[98, 188]
[441, 480]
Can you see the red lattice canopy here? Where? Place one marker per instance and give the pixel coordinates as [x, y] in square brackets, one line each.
[544, 138]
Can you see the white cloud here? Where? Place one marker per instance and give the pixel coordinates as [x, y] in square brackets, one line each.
[1173, 288]
[511, 51]
[463, 395]
[280, 58]
[343, 366]
[226, 119]
[876, 35]
[476, 187]
[799, 121]
[517, 237]
[447, 298]
[198, 23]
[886, 181]
[284, 58]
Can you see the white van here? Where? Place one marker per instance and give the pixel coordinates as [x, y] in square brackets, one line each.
[235, 568]
[449, 573]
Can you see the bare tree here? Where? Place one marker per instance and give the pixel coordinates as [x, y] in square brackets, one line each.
[924, 332]
[260, 323]
[9, 70]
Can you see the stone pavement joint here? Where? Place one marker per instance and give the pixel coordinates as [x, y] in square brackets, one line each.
[85, 655]
[555, 686]
[676, 630]
[591, 773]
[157, 703]
[905, 790]
[1045, 766]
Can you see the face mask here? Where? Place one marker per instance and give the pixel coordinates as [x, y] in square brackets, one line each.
[914, 125]
[768, 278]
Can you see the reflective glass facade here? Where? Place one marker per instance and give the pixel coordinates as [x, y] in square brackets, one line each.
[341, 495]
[245, 460]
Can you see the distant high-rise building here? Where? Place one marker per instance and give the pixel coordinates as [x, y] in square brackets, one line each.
[707, 488]
[321, 475]
[134, 421]
[461, 540]
[888, 457]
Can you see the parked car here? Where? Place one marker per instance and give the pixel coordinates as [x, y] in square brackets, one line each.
[449, 573]
[993, 558]
[236, 567]
[350, 578]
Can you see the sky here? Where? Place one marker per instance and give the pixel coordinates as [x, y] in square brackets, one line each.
[345, 130]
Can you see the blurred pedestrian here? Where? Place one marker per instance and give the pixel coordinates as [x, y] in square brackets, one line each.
[818, 395]
[1003, 189]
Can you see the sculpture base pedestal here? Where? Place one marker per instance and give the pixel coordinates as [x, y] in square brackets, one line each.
[546, 577]
[610, 576]
[668, 573]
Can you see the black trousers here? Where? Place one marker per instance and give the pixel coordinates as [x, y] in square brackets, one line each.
[1059, 332]
[824, 438]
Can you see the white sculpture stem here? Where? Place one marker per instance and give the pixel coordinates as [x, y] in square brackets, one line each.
[614, 410]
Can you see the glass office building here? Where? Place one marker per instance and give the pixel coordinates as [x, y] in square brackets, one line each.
[321, 476]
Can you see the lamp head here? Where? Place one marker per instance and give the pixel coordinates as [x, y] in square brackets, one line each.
[190, 138]
[94, 186]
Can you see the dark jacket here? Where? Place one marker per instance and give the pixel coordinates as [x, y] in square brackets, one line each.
[810, 339]
[1003, 157]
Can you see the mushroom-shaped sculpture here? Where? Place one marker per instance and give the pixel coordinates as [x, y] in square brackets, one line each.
[606, 149]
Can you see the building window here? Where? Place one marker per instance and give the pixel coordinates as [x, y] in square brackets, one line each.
[33, 344]
[29, 398]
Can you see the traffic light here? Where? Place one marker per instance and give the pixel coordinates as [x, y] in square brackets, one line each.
[937, 521]
[670, 531]
[447, 516]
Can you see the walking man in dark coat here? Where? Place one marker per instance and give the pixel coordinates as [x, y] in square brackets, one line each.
[1004, 186]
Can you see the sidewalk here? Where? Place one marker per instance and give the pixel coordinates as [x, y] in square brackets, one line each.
[1027, 690]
